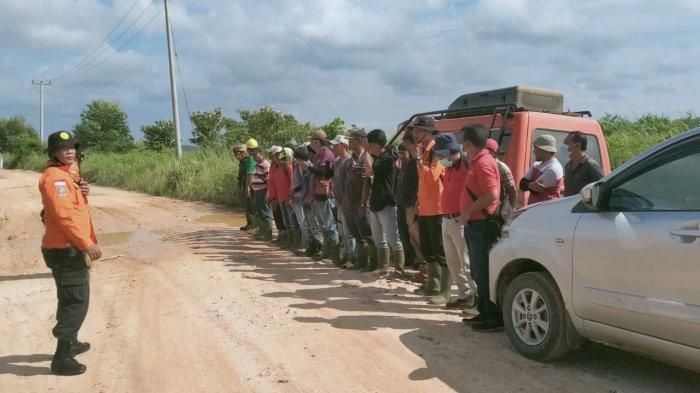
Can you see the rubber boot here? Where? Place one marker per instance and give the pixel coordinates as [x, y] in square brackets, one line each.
[372, 262]
[258, 230]
[266, 230]
[383, 256]
[299, 242]
[432, 284]
[313, 248]
[280, 237]
[291, 240]
[335, 255]
[361, 258]
[445, 288]
[399, 262]
[63, 362]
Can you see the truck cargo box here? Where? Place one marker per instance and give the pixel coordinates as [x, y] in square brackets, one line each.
[524, 97]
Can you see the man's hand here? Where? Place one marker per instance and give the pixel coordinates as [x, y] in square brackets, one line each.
[93, 252]
[84, 187]
[415, 152]
[246, 192]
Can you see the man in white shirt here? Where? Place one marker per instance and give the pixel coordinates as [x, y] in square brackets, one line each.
[545, 180]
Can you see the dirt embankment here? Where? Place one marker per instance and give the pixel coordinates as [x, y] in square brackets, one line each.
[192, 305]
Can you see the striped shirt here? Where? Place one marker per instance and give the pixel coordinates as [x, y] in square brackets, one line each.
[261, 175]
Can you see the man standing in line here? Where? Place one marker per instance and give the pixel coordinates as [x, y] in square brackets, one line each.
[382, 204]
[581, 169]
[259, 182]
[447, 150]
[357, 184]
[321, 180]
[340, 149]
[545, 180]
[406, 196]
[241, 154]
[69, 239]
[430, 173]
[479, 199]
[300, 193]
[247, 189]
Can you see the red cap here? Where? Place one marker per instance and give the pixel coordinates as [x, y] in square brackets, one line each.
[492, 145]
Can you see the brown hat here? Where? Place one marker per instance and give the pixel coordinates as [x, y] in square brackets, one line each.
[424, 123]
[320, 135]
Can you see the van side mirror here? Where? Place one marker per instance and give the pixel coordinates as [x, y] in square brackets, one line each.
[592, 195]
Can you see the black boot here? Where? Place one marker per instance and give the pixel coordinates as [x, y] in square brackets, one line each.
[63, 362]
[76, 347]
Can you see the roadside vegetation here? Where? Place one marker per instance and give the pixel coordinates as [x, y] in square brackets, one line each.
[207, 173]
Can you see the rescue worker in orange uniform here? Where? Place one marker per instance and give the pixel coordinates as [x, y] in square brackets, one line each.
[68, 241]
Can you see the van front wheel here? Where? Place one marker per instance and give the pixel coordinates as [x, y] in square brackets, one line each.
[535, 317]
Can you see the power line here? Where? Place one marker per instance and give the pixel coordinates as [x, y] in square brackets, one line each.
[85, 72]
[79, 70]
[104, 41]
[179, 72]
[17, 97]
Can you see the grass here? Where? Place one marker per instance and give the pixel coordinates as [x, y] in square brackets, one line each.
[206, 175]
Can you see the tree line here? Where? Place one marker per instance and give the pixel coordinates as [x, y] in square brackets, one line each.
[103, 127]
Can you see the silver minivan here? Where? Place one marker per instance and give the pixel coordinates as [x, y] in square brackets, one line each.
[619, 264]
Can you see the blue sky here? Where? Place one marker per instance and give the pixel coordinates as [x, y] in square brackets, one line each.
[373, 63]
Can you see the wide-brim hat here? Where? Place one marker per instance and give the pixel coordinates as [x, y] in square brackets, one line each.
[547, 143]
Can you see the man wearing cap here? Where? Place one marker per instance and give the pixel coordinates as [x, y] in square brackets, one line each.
[301, 181]
[406, 197]
[545, 179]
[340, 148]
[430, 173]
[448, 152]
[355, 197]
[250, 165]
[382, 204]
[321, 187]
[581, 169]
[259, 182]
[509, 194]
[241, 154]
[68, 243]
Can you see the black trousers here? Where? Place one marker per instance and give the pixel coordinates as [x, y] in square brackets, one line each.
[430, 233]
[358, 226]
[479, 243]
[277, 216]
[70, 272]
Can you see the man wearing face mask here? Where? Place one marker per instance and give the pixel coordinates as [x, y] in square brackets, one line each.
[448, 151]
[430, 173]
[581, 169]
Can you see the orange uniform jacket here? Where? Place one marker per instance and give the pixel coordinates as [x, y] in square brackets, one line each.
[66, 215]
[430, 184]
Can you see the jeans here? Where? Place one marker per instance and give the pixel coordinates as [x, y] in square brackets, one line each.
[323, 210]
[315, 235]
[456, 256]
[300, 218]
[405, 236]
[250, 210]
[288, 215]
[264, 212]
[430, 228]
[385, 231]
[479, 243]
[358, 225]
[348, 240]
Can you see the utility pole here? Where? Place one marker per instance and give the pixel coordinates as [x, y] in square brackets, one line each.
[173, 86]
[41, 106]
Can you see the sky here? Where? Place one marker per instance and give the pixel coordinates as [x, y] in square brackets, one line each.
[373, 63]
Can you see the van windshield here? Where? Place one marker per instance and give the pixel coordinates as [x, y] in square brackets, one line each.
[593, 149]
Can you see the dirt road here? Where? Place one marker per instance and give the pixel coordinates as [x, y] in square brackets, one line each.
[193, 305]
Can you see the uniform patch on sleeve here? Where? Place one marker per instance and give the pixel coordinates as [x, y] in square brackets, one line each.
[61, 188]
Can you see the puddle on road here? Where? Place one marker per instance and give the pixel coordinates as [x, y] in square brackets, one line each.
[118, 238]
[231, 219]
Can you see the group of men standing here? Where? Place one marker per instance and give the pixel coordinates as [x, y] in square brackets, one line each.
[431, 203]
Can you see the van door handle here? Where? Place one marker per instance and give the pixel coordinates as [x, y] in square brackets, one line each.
[688, 232]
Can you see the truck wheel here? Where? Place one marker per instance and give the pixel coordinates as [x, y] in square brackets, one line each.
[535, 317]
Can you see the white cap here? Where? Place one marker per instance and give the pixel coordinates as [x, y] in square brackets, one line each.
[340, 139]
[274, 149]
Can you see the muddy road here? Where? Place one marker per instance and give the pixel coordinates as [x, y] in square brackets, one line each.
[191, 305]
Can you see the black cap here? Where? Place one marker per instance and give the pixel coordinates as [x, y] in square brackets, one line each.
[357, 133]
[61, 139]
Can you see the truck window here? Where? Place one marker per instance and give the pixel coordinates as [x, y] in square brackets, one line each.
[503, 138]
[593, 149]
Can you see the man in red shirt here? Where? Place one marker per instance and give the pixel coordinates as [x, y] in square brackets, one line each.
[480, 198]
[447, 151]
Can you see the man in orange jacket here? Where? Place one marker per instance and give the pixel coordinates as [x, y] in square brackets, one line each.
[69, 238]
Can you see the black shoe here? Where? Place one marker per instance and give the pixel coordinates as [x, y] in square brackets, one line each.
[472, 320]
[467, 302]
[486, 327]
[76, 347]
[66, 365]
